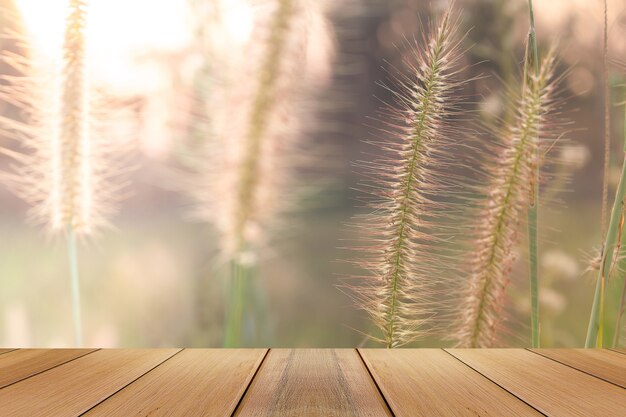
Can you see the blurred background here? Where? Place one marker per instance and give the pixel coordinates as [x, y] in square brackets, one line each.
[151, 280]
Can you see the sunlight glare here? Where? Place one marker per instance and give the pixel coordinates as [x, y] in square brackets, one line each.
[120, 34]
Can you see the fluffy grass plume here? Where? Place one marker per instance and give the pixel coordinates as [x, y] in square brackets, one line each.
[68, 166]
[509, 185]
[257, 111]
[256, 115]
[398, 290]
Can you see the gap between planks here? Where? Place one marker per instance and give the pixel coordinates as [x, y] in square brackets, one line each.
[551, 387]
[380, 391]
[130, 383]
[75, 386]
[603, 364]
[419, 382]
[473, 362]
[21, 364]
[313, 382]
[179, 385]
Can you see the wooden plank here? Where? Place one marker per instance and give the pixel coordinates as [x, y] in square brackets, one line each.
[552, 388]
[431, 382]
[602, 363]
[74, 387]
[195, 382]
[6, 351]
[23, 363]
[619, 350]
[312, 382]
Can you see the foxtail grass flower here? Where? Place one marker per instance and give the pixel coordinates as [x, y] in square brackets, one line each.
[257, 115]
[257, 110]
[507, 194]
[69, 165]
[398, 289]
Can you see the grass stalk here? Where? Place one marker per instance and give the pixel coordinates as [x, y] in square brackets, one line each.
[234, 318]
[533, 206]
[620, 314]
[249, 175]
[595, 330]
[607, 122]
[511, 179]
[72, 251]
[397, 292]
[622, 305]
[70, 174]
[257, 109]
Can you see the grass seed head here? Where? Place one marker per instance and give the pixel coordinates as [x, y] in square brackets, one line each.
[69, 164]
[401, 262]
[506, 197]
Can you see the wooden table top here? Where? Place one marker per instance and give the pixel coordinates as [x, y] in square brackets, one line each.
[312, 382]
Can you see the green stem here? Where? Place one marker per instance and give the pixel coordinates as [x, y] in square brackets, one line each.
[596, 320]
[75, 282]
[257, 316]
[622, 306]
[620, 313]
[234, 318]
[533, 208]
[593, 338]
[250, 175]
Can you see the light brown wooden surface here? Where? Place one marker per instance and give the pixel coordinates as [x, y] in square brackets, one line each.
[74, 387]
[20, 364]
[431, 382]
[312, 382]
[602, 363]
[551, 387]
[6, 350]
[207, 382]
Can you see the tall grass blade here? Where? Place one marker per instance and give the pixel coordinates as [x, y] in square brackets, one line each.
[595, 330]
[607, 122]
[622, 304]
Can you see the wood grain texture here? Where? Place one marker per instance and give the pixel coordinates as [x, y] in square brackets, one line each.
[431, 382]
[605, 364]
[312, 382]
[195, 382]
[552, 388]
[6, 351]
[20, 364]
[74, 387]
